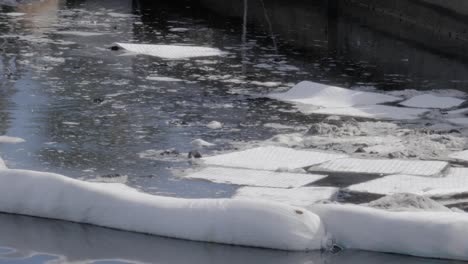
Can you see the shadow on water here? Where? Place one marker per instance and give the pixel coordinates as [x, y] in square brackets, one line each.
[23, 237]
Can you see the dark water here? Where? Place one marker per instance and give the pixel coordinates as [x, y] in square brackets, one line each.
[87, 111]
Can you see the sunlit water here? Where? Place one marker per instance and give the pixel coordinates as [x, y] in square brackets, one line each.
[87, 111]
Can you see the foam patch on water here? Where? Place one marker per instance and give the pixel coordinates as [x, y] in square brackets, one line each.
[372, 166]
[271, 158]
[80, 33]
[255, 177]
[11, 140]
[303, 196]
[456, 181]
[163, 79]
[171, 51]
[432, 101]
[311, 93]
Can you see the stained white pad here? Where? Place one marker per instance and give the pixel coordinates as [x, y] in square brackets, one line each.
[456, 181]
[374, 111]
[303, 196]
[171, 51]
[255, 177]
[330, 96]
[432, 101]
[385, 166]
[462, 155]
[271, 158]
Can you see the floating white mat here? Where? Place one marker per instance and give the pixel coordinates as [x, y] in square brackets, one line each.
[423, 234]
[317, 94]
[432, 101]
[462, 155]
[374, 111]
[302, 197]
[456, 181]
[385, 166]
[171, 51]
[228, 221]
[271, 158]
[255, 177]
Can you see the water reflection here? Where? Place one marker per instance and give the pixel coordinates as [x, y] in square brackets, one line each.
[65, 242]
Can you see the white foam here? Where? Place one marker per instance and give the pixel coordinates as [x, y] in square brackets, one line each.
[11, 140]
[385, 166]
[163, 79]
[456, 181]
[15, 14]
[271, 158]
[422, 234]
[200, 143]
[214, 125]
[432, 101]
[171, 51]
[302, 197]
[80, 33]
[255, 177]
[113, 205]
[372, 111]
[311, 93]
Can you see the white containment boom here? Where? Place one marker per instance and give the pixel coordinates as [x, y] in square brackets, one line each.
[228, 221]
[423, 234]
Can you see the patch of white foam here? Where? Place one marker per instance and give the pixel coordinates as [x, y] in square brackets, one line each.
[311, 93]
[117, 206]
[171, 51]
[408, 202]
[15, 14]
[178, 29]
[372, 111]
[255, 177]
[80, 33]
[456, 181]
[214, 125]
[271, 158]
[119, 15]
[11, 140]
[266, 84]
[163, 79]
[385, 166]
[200, 143]
[432, 101]
[301, 197]
[422, 234]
